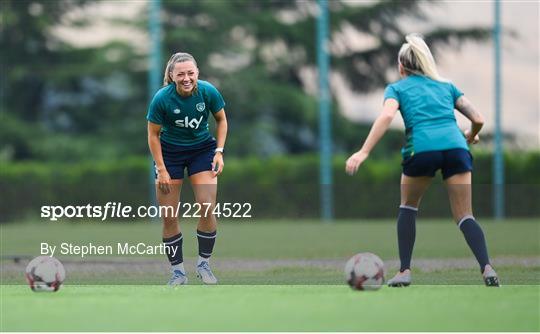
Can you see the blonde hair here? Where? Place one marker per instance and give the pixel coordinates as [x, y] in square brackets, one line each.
[416, 58]
[178, 57]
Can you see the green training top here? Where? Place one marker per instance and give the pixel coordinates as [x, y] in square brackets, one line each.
[427, 107]
[184, 120]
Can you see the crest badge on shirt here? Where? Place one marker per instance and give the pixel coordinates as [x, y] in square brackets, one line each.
[200, 106]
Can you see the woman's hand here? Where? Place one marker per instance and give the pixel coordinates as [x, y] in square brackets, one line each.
[354, 161]
[378, 129]
[217, 164]
[470, 140]
[164, 181]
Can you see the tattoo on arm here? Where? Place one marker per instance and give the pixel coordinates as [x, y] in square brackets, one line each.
[466, 108]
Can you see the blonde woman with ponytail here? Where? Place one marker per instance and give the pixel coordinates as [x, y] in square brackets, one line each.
[179, 139]
[434, 142]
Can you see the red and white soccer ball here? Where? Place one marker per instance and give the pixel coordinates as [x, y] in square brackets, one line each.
[45, 273]
[364, 271]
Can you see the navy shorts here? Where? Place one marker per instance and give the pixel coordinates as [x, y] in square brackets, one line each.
[450, 162]
[197, 158]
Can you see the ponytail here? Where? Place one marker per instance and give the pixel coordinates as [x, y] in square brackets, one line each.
[416, 58]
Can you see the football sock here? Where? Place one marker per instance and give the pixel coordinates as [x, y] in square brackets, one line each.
[475, 239]
[206, 243]
[174, 249]
[406, 231]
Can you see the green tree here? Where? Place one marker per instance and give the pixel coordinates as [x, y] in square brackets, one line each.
[59, 101]
[63, 102]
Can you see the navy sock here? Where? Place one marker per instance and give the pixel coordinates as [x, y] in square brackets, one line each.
[174, 249]
[206, 243]
[475, 239]
[406, 231]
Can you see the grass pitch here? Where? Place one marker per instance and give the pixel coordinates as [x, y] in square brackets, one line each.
[277, 276]
[271, 308]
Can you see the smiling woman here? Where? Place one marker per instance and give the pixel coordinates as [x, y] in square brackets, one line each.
[179, 138]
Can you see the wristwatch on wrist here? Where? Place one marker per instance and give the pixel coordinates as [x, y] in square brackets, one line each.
[219, 149]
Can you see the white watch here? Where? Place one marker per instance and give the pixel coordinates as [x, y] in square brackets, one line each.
[219, 149]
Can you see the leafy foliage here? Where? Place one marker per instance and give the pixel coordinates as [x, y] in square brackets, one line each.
[89, 103]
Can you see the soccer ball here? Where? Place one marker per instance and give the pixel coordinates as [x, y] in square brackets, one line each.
[45, 273]
[364, 271]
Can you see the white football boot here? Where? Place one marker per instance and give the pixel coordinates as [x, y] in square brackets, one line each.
[490, 276]
[401, 279]
[178, 278]
[205, 273]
